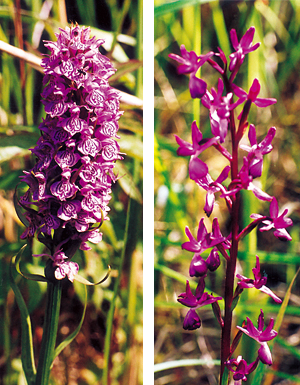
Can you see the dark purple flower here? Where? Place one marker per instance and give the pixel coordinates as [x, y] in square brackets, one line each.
[256, 151]
[197, 168]
[240, 369]
[241, 48]
[190, 63]
[258, 282]
[196, 301]
[212, 187]
[261, 336]
[199, 266]
[219, 110]
[204, 240]
[244, 181]
[70, 185]
[252, 95]
[275, 221]
[191, 320]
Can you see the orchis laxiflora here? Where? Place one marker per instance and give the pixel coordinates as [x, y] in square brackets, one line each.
[242, 170]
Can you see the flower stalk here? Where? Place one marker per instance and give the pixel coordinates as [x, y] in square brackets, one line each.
[50, 328]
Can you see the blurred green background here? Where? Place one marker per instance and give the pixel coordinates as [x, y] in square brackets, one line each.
[203, 26]
[113, 322]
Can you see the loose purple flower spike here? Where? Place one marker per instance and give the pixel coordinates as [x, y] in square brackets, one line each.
[275, 221]
[201, 298]
[258, 282]
[261, 336]
[70, 185]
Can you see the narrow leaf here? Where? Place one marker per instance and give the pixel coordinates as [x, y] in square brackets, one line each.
[32, 277]
[27, 355]
[71, 337]
[80, 279]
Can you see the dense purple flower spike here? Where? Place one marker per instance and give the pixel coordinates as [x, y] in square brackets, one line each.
[258, 282]
[275, 221]
[70, 185]
[201, 298]
[261, 336]
[240, 369]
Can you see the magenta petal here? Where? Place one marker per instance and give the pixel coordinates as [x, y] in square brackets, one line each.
[197, 87]
[252, 135]
[260, 102]
[274, 208]
[196, 134]
[191, 320]
[254, 90]
[264, 354]
[234, 39]
[198, 266]
[197, 168]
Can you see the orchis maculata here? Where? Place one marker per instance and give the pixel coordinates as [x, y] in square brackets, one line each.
[242, 170]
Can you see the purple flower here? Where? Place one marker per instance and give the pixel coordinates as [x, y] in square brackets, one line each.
[219, 110]
[204, 240]
[258, 282]
[244, 181]
[252, 95]
[241, 48]
[256, 151]
[192, 321]
[197, 168]
[70, 184]
[240, 369]
[199, 266]
[275, 221]
[212, 187]
[64, 268]
[190, 63]
[261, 336]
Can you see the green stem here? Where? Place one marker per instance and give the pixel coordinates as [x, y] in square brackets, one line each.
[49, 332]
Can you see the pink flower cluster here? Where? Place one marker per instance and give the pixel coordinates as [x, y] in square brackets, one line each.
[70, 184]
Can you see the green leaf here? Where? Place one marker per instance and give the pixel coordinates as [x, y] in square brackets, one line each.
[81, 279]
[71, 337]
[32, 277]
[177, 5]
[27, 354]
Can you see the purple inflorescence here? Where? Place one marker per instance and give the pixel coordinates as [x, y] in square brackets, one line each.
[70, 184]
